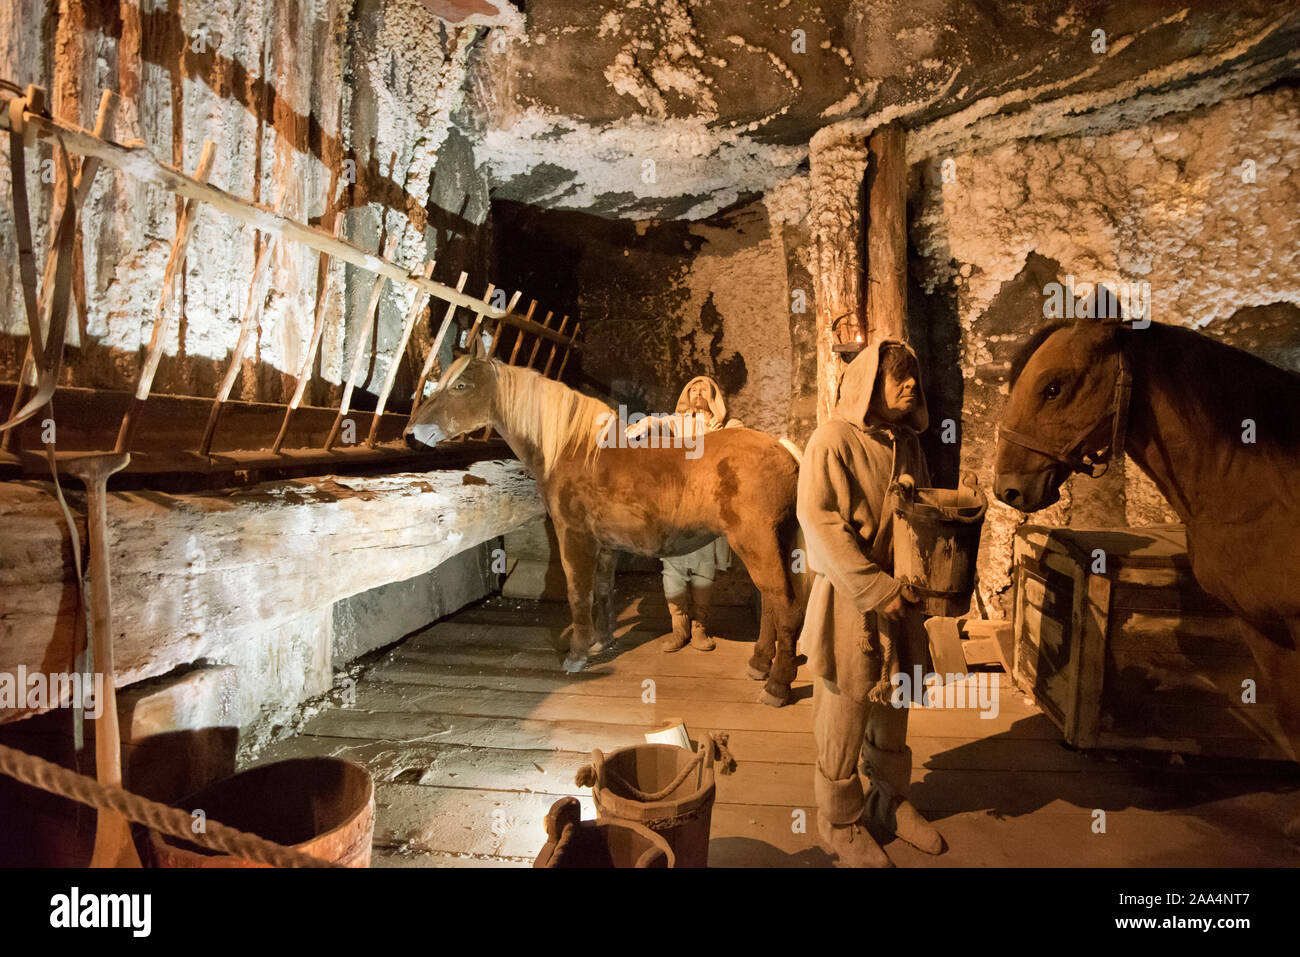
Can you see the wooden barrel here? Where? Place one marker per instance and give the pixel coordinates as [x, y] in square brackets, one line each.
[320, 806]
[573, 842]
[936, 542]
[682, 817]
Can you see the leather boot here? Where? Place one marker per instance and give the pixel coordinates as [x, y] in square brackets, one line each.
[851, 844]
[887, 806]
[701, 594]
[677, 639]
[840, 825]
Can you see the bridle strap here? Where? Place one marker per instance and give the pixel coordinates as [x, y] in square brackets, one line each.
[1080, 455]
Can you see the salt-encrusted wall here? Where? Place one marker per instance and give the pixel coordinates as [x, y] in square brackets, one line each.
[1200, 205]
[661, 302]
[315, 107]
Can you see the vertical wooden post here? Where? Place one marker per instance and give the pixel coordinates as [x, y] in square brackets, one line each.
[887, 235]
[838, 165]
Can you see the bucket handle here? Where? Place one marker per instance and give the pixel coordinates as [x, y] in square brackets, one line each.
[714, 746]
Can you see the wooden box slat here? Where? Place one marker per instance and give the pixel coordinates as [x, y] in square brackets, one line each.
[1128, 652]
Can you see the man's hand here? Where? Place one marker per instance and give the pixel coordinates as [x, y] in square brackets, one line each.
[898, 606]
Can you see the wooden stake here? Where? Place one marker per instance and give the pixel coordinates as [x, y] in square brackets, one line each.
[487, 432]
[85, 178]
[317, 334]
[537, 341]
[252, 309]
[161, 320]
[567, 350]
[551, 358]
[432, 357]
[417, 304]
[358, 358]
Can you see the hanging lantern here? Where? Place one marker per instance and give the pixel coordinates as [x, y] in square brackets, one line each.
[847, 332]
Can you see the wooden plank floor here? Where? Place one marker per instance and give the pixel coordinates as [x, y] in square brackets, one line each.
[472, 731]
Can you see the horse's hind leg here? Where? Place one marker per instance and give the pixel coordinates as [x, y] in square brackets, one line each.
[603, 601]
[579, 553]
[767, 568]
[760, 662]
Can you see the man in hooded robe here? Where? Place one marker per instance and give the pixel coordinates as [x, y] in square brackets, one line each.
[862, 625]
[688, 579]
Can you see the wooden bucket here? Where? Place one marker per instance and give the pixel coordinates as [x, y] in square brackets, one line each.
[573, 842]
[320, 806]
[681, 817]
[936, 542]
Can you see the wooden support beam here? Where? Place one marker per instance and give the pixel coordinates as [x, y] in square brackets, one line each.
[838, 165]
[886, 310]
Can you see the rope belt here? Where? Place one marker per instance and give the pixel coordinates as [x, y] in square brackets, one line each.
[42, 774]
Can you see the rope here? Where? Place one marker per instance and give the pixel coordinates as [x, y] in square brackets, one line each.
[40, 773]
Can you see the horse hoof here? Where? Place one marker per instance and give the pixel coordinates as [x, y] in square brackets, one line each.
[772, 701]
[754, 673]
[574, 665]
[602, 646]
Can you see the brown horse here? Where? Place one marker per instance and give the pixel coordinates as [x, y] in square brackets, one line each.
[1215, 428]
[651, 501]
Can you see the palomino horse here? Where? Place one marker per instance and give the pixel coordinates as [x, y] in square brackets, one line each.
[651, 501]
[1214, 427]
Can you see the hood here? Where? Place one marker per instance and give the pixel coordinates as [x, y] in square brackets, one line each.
[860, 381]
[717, 401]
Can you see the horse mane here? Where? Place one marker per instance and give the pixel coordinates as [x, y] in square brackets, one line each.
[548, 415]
[1215, 385]
[1026, 351]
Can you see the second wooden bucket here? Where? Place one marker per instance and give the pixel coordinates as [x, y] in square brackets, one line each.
[665, 788]
[936, 543]
[320, 806]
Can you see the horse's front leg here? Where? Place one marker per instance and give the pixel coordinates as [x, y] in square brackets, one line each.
[603, 601]
[579, 554]
[760, 662]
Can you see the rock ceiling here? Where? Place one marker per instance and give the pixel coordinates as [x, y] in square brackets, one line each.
[667, 108]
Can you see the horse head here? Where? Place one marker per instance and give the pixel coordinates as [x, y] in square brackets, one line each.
[462, 401]
[1065, 413]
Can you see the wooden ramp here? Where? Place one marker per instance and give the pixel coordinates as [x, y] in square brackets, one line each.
[472, 731]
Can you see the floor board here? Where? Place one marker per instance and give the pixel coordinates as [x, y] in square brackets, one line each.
[471, 732]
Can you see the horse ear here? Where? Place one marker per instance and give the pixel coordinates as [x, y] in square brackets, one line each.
[476, 350]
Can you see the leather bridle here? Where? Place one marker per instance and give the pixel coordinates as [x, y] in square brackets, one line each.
[1084, 454]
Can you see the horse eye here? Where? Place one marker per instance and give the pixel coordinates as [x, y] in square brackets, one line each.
[459, 386]
[1052, 391]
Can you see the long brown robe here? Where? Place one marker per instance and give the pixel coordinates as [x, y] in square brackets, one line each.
[847, 515]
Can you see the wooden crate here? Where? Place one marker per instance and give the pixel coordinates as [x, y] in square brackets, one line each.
[1137, 656]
